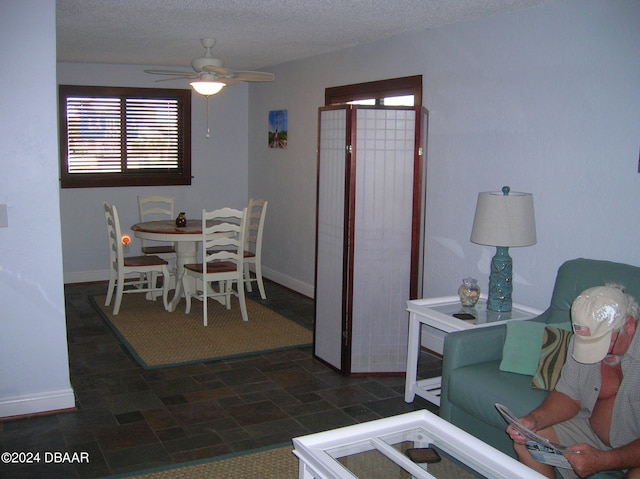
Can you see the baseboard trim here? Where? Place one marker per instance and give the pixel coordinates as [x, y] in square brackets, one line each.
[286, 281]
[37, 403]
[289, 282]
[86, 276]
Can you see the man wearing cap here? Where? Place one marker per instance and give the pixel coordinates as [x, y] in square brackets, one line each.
[595, 407]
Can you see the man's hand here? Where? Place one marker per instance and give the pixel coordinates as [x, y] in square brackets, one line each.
[529, 423]
[586, 460]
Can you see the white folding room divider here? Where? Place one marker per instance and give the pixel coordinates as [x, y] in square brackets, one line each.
[370, 194]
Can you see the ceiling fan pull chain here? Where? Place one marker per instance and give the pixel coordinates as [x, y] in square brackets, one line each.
[208, 133]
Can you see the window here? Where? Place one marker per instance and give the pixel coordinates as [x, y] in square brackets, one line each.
[405, 91]
[124, 136]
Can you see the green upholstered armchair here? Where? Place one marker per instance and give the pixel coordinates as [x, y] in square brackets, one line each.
[471, 380]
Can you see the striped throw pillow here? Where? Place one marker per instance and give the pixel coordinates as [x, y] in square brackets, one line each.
[553, 355]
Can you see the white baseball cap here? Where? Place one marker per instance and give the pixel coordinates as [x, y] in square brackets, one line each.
[595, 314]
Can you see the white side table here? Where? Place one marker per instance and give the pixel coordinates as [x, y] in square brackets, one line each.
[439, 314]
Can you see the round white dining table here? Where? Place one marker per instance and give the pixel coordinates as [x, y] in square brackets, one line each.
[185, 239]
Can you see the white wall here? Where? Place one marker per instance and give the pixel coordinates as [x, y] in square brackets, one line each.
[34, 370]
[219, 168]
[546, 100]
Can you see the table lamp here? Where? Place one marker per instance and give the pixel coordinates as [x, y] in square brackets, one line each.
[503, 220]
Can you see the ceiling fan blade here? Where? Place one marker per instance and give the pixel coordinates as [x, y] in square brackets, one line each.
[220, 70]
[169, 72]
[253, 76]
[185, 77]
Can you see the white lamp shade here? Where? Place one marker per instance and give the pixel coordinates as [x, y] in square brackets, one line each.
[207, 88]
[504, 220]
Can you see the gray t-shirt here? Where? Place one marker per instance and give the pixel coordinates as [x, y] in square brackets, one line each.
[582, 382]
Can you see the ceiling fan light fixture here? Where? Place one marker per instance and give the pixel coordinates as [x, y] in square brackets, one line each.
[207, 88]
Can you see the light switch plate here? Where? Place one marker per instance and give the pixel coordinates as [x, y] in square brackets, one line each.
[4, 220]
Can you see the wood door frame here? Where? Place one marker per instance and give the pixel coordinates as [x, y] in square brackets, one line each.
[411, 85]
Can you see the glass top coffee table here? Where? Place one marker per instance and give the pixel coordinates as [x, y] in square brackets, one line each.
[378, 449]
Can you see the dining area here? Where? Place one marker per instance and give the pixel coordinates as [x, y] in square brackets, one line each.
[216, 256]
[192, 291]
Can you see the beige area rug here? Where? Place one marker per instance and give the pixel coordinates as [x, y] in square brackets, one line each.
[157, 338]
[278, 463]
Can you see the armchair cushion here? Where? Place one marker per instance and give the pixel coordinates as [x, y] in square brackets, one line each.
[470, 389]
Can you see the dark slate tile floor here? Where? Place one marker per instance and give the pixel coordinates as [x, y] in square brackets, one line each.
[131, 419]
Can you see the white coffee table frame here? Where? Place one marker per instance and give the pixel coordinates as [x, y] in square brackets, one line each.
[437, 313]
[316, 452]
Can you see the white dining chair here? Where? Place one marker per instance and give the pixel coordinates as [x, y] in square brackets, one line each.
[256, 212]
[148, 267]
[223, 237]
[156, 207]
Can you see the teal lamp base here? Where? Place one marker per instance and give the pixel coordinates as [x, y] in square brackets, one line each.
[500, 281]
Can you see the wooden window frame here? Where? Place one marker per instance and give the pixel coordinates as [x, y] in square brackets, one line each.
[133, 177]
[411, 85]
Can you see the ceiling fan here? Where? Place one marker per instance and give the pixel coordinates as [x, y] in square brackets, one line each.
[210, 75]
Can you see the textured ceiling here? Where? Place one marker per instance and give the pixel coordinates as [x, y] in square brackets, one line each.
[250, 34]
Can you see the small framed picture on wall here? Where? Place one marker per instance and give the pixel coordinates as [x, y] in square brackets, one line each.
[278, 129]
